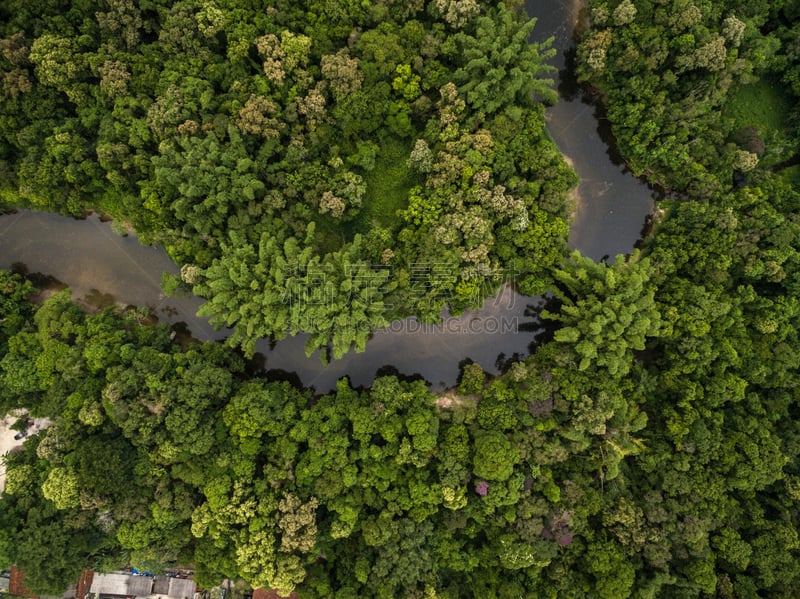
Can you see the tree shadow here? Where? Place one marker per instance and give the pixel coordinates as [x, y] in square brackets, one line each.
[98, 300]
[389, 370]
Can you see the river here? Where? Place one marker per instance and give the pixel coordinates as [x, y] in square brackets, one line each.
[102, 267]
[612, 205]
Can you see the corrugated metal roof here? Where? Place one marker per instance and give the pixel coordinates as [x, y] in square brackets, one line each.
[161, 585]
[181, 587]
[140, 585]
[121, 584]
[110, 584]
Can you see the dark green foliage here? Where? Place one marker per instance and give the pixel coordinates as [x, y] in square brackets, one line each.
[662, 462]
[500, 66]
[762, 114]
[14, 311]
[674, 76]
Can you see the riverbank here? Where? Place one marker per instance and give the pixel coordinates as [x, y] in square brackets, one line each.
[102, 269]
[8, 443]
[611, 204]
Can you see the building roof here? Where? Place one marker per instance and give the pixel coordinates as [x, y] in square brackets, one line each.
[16, 585]
[121, 584]
[270, 594]
[181, 588]
[161, 585]
[128, 585]
[84, 583]
[140, 585]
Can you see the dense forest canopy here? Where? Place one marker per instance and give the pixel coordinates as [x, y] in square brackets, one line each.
[314, 166]
[650, 449]
[696, 90]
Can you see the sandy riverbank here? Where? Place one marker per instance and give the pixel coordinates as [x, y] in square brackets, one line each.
[9, 443]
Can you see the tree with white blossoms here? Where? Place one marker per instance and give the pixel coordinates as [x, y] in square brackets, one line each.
[624, 13]
[457, 13]
[745, 161]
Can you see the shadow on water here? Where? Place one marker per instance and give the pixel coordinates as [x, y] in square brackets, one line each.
[97, 300]
[103, 269]
[284, 376]
[389, 370]
[46, 284]
[568, 87]
[182, 335]
[544, 328]
[256, 366]
[570, 90]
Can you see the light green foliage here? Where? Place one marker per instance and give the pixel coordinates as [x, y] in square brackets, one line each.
[406, 83]
[281, 289]
[500, 65]
[646, 477]
[257, 410]
[608, 311]
[650, 449]
[58, 62]
[61, 487]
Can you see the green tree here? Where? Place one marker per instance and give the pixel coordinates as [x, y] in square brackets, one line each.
[608, 311]
[495, 456]
[499, 66]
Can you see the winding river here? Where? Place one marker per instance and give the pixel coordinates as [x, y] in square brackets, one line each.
[612, 205]
[102, 267]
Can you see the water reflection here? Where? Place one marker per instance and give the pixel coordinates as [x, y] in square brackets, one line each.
[97, 264]
[506, 325]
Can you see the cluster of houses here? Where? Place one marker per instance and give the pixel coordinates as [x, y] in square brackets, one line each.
[125, 585]
[117, 585]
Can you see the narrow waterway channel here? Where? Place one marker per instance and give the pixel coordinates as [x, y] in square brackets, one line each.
[612, 205]
[102, 268]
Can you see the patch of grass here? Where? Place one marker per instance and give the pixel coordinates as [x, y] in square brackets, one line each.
[760, 112]
[763, 105]
[387, 187]
[329, 235]
[387, 192]
[791, 174]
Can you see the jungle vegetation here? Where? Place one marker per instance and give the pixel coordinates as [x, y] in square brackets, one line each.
[650, 449]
